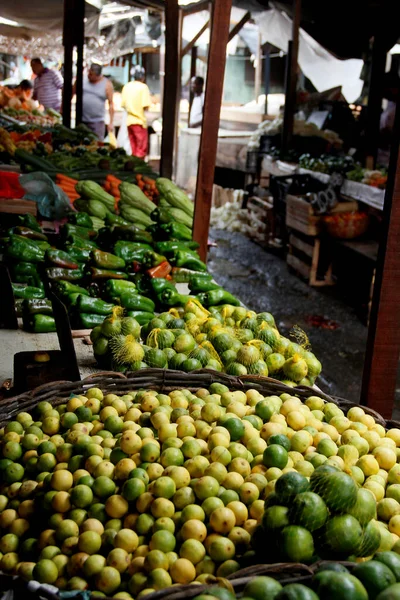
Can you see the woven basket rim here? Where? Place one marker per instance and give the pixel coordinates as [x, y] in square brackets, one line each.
[160, 378]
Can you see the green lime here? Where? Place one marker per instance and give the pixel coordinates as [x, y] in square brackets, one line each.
[309, 510]
[375, 576]
[391, 560]
[235, 427]
[330, 585]
[103, 487]
[342, 535]
[296, 591]
[281, 440]
[275, 456]
[297, 544]
[133, 488]
[262, 588]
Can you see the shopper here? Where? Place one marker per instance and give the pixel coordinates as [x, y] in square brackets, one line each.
[196, 111]
[47, 85]
[136, 101]
[96, 90]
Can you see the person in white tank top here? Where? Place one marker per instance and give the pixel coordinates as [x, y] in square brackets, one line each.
[196, 111]
[96, 90]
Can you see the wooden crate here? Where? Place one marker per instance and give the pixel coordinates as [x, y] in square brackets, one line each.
[300, 216]
[304, 257]
[18, 206]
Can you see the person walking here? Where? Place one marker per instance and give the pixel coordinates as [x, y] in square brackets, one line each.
[196, 111]
[136, 101]
[47, 85]
[96, 90]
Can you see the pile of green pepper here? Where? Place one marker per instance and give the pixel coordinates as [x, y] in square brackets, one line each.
[95, 271]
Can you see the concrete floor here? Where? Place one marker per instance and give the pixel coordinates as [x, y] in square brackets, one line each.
[262, 281]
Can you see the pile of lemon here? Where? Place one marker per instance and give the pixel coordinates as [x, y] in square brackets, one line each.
[128, 494]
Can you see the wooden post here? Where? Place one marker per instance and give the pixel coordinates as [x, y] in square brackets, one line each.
[68, 42]
[211, 115]
[383, 344]
[193, 60]
[375, 98]
[80, 39]
[267, 75]
[291, 78]
[162, 61]
[172, 46]
[258, 69]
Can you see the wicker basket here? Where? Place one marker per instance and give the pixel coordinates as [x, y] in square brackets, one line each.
[347, 226]
[165, 381]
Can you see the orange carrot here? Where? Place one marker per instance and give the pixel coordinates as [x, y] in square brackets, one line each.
[61, 177]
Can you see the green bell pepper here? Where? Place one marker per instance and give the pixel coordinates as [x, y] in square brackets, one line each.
[131, 300]
[169, 297]
[82, 219]
[58, 273]
[86, 304]
[24, 291]
[176, 231]
[180, 275]
[59, 258]
[88, 321]
[105, 260]
[85, 232]
[29, 233]
[30, 221]
[217, 297]
[131, 251]
[72, 299]
[80, 255]
[141, 317]
[188, 260]
[198, 285]
[113, 219]
[64, 288]
[159, 284]
[115, 287]
[23, 249]
[96, 274]
[42, 323]
[26, 272]
[42, 245]
[168, 248]
[34, 306]
[80, 242]
[131, 234]
[152, 259]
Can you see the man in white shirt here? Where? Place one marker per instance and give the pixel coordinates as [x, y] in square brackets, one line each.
[196, 111]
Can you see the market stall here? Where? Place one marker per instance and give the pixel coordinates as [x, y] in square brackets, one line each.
[202, 454]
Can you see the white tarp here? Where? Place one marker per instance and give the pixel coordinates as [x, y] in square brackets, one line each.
[42, 17]
[323, 69]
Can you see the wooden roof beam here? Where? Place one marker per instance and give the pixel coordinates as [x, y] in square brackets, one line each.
[195, 7]
[235, 30]
[198, 35]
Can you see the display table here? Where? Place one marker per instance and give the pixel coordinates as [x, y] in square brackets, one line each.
[231, 154]
[17, 340]
[361, 192]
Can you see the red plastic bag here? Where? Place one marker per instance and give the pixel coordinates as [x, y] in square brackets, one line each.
[10, 186]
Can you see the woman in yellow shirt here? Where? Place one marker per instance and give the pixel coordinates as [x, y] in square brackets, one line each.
[136, 101]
